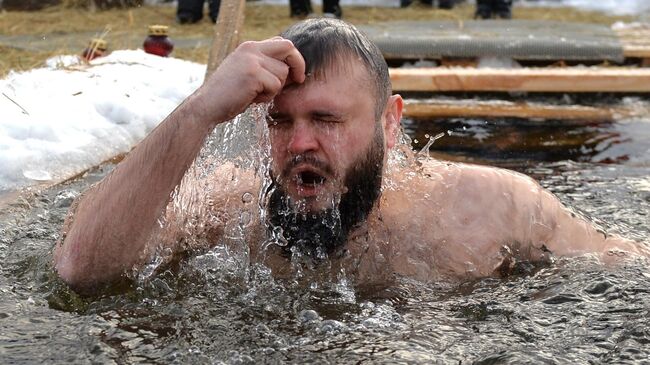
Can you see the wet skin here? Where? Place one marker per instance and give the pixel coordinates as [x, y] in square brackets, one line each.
[433, 221]
[334, 128]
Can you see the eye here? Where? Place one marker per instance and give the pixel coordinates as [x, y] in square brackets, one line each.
[327, 119]
[275, 121]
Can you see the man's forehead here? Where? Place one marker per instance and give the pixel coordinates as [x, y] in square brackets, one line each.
[346, 66]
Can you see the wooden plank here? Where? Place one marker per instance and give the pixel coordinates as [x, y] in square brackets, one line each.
[226, 32]
[631, 50]
[507, 109]
[635, 41]
[592, 79]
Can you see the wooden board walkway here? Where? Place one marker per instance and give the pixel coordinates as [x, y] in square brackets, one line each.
[449, 108]
[521, 40]
[561, 80]
[635, 40]
[457, 48]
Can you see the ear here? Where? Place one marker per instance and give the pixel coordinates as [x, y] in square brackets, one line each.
[392, 118]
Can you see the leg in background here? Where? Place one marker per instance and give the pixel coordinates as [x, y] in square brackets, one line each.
[189, 11]
[332, 7]
[503, 8]
[445, 4]
[483, 9]
[300, 8]
[214, 9]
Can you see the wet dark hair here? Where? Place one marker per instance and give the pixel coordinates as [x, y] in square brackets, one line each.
[325, 42]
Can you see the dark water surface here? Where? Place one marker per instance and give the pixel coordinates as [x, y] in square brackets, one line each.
[215, 311]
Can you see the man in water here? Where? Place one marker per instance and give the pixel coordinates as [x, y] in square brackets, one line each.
[335, 195]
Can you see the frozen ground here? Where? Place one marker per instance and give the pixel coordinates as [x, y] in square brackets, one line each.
[61, 119]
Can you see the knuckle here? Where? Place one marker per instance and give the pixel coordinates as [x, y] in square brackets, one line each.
[277, 85]
[247, 46]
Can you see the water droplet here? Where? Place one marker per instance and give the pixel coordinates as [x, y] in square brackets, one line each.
[247, 198]
[308, 315]
[245, 219]
[371, 323]
[331, 326]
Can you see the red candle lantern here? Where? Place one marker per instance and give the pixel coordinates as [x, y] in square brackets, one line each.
[158, 42]
[96, 48]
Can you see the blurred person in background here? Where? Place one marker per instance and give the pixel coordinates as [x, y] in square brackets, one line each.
[302, 9]
[191, 11]
[442, 4]
[487, 9]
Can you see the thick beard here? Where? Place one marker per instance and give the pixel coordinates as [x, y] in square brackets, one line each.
[319, 234]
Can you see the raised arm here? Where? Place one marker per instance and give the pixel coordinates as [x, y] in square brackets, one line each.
[108, 229]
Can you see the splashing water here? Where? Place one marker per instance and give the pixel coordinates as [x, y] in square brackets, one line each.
[217, 306]
[425, 152]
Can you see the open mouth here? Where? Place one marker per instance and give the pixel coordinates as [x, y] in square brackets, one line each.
[310, 179]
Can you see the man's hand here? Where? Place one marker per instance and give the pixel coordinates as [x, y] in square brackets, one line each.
[254, 73]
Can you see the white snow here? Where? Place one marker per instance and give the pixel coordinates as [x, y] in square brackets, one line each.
[62, 119]
[613, 7]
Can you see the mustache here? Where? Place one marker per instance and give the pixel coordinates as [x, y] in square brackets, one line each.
[309, 160]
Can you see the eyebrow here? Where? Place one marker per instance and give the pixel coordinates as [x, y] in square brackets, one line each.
[314, 113]
[326, 114]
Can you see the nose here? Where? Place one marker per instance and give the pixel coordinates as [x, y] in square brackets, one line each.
[303, 138]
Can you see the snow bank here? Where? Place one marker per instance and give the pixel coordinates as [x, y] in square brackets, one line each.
[613, 7]
[62, 119]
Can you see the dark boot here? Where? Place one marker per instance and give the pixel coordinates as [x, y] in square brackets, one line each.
[332, 7]
[503, 8]
[300, 8]
[214, 9]
[445, 4]
[189, 11]
[483, 9]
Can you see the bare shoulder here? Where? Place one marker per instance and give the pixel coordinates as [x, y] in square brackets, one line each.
[479, 183]
[466, 218]
[459, 189]
[459, 220]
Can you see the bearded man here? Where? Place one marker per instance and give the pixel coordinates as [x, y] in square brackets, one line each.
[333, 197]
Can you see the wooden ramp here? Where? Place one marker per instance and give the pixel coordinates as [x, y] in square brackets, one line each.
[521, 40]
[605, 60]
[449, 108]
[560, 80]
[635, 39]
